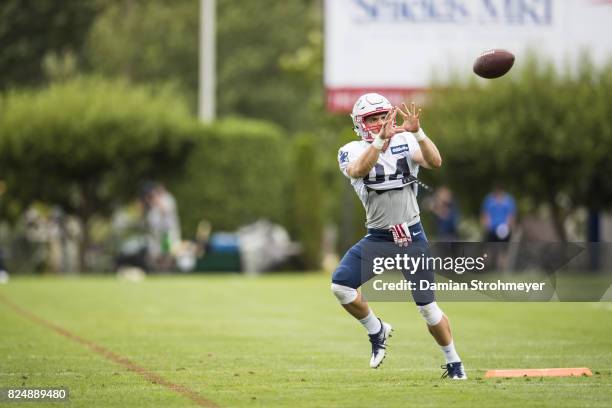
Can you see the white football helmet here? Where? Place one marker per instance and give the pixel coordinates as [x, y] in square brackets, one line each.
[366, 105]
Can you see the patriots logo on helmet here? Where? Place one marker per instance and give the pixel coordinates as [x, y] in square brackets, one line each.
[343, 157]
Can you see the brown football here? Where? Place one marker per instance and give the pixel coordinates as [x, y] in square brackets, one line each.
[493, 63]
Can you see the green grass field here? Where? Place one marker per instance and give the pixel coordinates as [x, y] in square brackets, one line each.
[283, 341]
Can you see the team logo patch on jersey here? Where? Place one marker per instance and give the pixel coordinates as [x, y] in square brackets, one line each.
[399, 149]
[343, 157]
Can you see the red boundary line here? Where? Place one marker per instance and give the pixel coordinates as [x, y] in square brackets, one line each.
[114, 357]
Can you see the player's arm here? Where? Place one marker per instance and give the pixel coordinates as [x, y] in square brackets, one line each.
[364, 163]
[428, 156]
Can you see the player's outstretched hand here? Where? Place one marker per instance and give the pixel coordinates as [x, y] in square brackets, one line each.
[410, 117]
[388, 128]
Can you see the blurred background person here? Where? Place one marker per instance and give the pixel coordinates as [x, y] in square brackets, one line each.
[497, 215]
[163, 225]
[4, 276]
[446, 213]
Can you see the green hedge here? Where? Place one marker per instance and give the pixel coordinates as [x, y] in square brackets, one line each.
[236, 174]
[541, 131]
[307, 204]
[88, 143]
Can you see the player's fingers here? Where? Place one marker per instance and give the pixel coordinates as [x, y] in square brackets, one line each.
[389, 116]
[413, 106]
[384, 128]
[418, 115]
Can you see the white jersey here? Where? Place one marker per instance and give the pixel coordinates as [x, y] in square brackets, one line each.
[381, 193]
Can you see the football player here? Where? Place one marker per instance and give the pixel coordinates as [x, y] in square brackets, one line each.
[382, 168]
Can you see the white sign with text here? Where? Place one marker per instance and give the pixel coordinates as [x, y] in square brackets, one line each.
[399, 46]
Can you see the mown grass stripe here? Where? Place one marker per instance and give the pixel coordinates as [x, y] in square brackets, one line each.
[112, 356]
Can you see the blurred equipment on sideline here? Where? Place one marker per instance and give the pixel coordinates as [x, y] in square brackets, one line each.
[264, 245]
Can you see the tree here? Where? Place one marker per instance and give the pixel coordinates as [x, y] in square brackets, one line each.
[542, 133]
[253, 77]
[87, 144]
[31, 30]
[306, 200]
[235, 174]
[148, 42]
[259, 71]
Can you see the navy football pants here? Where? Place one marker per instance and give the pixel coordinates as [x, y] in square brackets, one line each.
[349, 272]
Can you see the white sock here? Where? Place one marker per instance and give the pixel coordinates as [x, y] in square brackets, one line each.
[371, 323]
[450, 354]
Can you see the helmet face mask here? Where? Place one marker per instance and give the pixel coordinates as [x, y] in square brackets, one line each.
[368, 105]
[374, 126]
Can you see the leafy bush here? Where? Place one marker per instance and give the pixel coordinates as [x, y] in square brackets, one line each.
[87, 144]
[236, 173]
[542, 132]
[306, 190]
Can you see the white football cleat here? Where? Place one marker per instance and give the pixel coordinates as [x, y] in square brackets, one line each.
[379, 344]
[454, 371]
